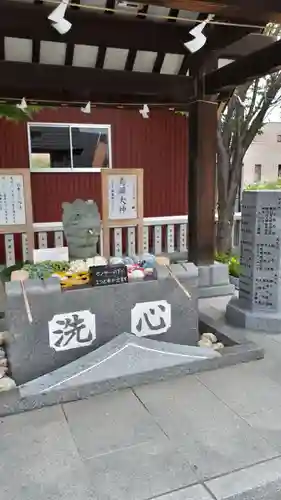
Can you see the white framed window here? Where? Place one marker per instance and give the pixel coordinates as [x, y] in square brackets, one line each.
[257, 173]
[69, 147]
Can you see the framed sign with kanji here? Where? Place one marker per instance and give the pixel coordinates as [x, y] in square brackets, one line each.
[122, 203]
[16, 204]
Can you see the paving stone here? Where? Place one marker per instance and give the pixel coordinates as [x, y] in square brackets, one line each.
[243, 388]
[196, 492]
[268, 424]
[260, 482]
[39, 459]
[140, 472]
[108, 422]
[217, 440]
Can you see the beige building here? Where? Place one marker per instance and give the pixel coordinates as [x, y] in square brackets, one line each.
[262, 162]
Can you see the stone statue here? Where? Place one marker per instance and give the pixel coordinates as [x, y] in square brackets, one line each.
[81, 225]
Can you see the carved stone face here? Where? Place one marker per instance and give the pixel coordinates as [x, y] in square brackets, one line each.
[81, 224]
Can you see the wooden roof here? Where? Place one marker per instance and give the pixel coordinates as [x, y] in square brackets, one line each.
[117, 56]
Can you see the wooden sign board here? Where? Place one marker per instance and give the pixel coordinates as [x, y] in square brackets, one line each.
[122, 203]
[16, 204]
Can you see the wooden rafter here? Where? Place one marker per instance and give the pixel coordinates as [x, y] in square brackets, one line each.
[257, 64]
[255, 10]
[24, 20]
[64, 83]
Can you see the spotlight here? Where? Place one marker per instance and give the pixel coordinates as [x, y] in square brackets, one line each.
[199, 38]
[22, 105]
[87, 108]
[144, 111]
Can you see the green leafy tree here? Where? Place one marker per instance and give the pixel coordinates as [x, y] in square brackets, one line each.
[243, 118]
[11, 112]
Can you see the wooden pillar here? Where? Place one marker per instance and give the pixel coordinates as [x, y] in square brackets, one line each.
[202, 181]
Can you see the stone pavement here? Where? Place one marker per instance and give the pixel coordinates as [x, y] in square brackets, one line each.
[212, 436]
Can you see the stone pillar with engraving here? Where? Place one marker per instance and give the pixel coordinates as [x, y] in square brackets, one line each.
[258, 306]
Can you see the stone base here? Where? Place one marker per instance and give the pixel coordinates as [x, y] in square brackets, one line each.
[214, 281]
[239, 316]
[126, 361]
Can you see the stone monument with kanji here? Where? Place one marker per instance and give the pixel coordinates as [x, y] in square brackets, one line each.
[258, 306]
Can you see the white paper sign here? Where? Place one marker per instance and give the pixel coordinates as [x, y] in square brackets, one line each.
[122, 197]
[12, 206]
[72, 330]
[151, 318]
[58, 254]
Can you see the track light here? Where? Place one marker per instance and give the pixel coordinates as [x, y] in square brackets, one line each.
[22, 105]
[144, 111]
[87, 108]
[199, 38]
[57, 18]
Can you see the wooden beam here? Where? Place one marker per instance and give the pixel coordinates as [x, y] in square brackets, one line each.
[65, 83]
[202, 124]
[25, 20]
[217, 36]
[250, 9]
[257, 64]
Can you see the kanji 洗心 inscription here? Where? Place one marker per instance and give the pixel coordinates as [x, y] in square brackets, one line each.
[72, 330]
[151, 318]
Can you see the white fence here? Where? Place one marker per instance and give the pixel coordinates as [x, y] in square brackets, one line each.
[161, 235]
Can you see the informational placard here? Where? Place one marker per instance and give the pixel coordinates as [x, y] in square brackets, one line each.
[122, 197]
[122, 203]
[16, 204]
[12, 207]
[114, 274]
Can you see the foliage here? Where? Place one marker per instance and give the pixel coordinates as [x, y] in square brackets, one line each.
[264, 185]
[45, 269]
[11, 112]
[232, 261]
[41, 270]
[242, 119]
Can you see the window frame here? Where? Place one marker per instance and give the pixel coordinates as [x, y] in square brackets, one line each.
[278, 137]
[70, 170]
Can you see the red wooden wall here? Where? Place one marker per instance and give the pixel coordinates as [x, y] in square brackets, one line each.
[158, 145]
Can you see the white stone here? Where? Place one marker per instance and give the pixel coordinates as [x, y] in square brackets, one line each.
[3, 371]
[6, 384]
[148, 270]
[218, 347]
[19, 275]
[3, 337]
[137, 274]
[205, 343]
[97, 261]
[210, 336]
